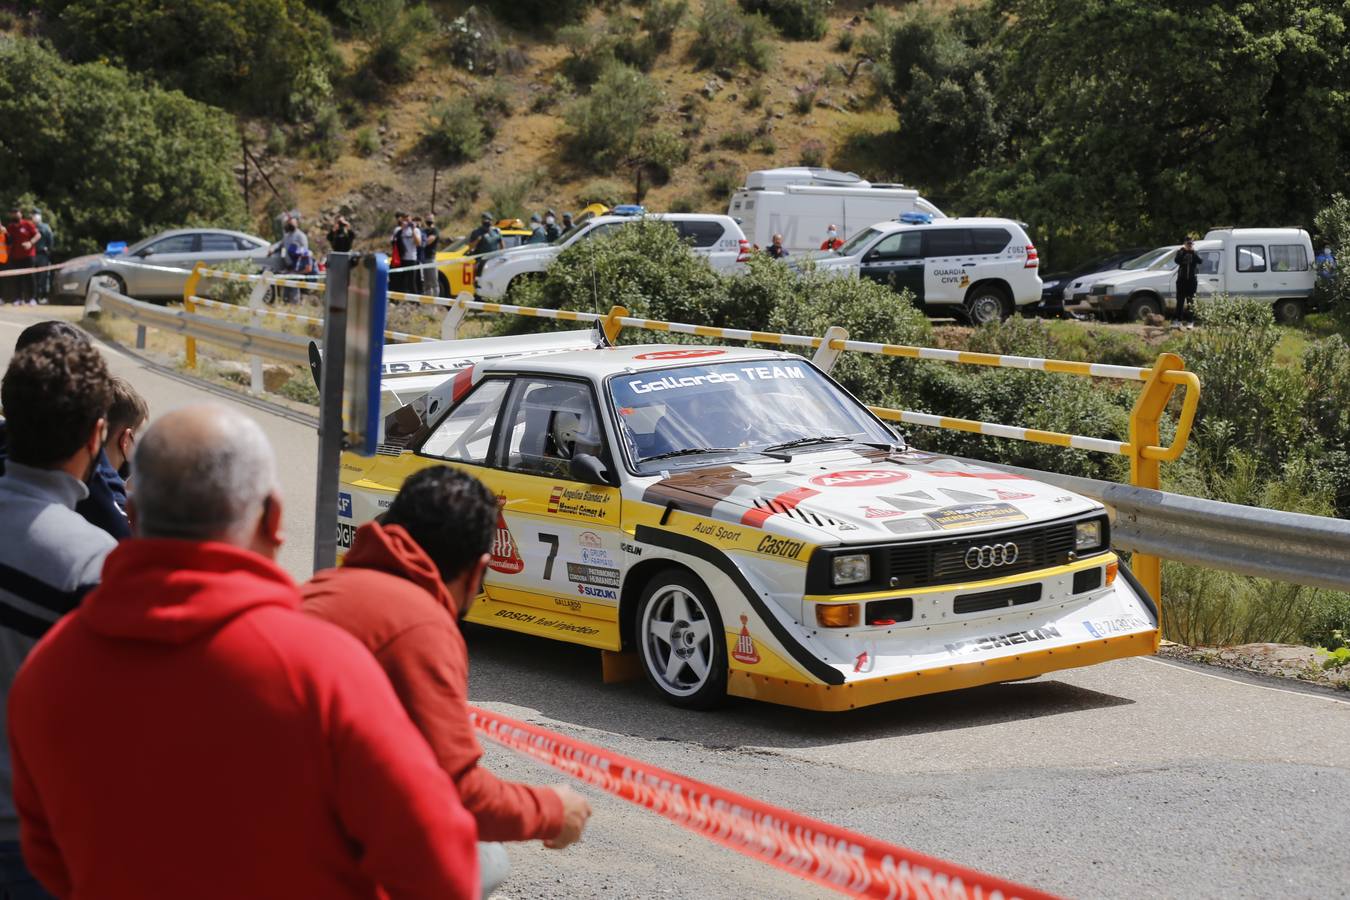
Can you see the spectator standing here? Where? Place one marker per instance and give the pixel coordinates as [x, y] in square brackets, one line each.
[486, 238]
[538, 234]
[425, 561]
[776, 249]
[56, 393]
[1326, 262]
[551, 230]
[188, 732]
[21, 237]
[566, 223]
[45, 245]
[106, 505]
[407, 241]
[1188, 270]
[340, 236]
[832, 239]
[431, 237]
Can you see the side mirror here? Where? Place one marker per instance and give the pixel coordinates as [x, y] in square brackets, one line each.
[144, 253]
[589, 469]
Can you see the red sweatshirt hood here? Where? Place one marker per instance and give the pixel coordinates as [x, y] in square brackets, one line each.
[389, 548]
[175, 591]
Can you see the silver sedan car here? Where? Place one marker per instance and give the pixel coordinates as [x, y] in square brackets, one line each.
[157, 267]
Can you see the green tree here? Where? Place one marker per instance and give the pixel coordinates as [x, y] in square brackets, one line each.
[119, 159]
[604, 126]
[243, 54]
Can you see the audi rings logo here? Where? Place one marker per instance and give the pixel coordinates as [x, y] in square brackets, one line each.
[991, 556]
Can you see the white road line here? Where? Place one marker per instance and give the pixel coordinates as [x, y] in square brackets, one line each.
[1265, 687]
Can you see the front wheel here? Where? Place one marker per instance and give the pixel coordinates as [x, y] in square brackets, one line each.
[1140, 307]
[987, 304]
[681, 641]
[1288, 311]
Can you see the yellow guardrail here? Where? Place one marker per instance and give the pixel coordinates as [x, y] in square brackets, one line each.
[1143, 447]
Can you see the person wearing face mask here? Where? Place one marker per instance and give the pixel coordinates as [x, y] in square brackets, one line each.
[106, 505]
[56, 393]
[46, 243]
[551, 230]
[832, 239]
[402, 591]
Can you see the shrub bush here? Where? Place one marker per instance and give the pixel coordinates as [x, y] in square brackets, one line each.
[607, 193]
[738, 139]
[660, 153]
[366, 142]
[813, 153]
[453, 132]
[661, 18]
[727, 37]
[472, 42]
[603, 127]
[721, 177]
[540, 14]
[800, 20]
[394, 35]
[509, 197]
[118, 156]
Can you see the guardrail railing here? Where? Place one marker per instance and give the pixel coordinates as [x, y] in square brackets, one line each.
[1143, 446]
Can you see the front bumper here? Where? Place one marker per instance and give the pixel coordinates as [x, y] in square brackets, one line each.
[940, 650]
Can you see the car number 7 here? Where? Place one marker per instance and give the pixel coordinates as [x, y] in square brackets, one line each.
[552, 541]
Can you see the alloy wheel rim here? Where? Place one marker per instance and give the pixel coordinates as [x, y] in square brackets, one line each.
[677, 636]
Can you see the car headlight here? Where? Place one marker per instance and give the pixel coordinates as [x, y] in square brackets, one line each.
[1088, 535]
[852, 568]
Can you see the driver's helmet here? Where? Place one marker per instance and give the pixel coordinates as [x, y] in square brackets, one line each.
[572, 433]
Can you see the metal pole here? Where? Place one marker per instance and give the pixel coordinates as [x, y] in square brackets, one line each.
[330, 411]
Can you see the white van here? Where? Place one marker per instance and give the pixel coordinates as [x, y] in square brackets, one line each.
[1271, 264]
[977, 269]
[800, 203]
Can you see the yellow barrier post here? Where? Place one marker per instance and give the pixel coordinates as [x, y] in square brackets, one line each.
[611, 324]
[1146, 468]
[189, 291]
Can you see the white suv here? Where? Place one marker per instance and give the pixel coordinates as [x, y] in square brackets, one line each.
[977, 269]
[716, 237]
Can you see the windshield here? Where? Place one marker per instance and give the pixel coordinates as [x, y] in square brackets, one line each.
[569, 233]
[1166, 259]
[853, 246]
[744, 409]
[1147, 259]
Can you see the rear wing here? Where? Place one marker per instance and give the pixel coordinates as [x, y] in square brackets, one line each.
[410, 370]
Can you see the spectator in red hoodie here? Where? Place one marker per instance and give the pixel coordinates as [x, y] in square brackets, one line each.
[188, 732]
[21, 237]
[402, 589]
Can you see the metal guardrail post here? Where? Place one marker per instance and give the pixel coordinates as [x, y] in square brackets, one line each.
[826, 355]
[611, 324]
[1146, 472]
[189, 291]
[454, 316]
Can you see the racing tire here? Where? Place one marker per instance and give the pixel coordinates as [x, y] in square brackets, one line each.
[1141, 306]
[442, 285]
[681, 642]
[987, 303]
[1288, 311]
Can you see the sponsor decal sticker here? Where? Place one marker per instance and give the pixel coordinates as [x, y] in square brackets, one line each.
[772, 546]
[633, 549]
[597, 593]
[872, 512]
[712, 530]
[858, 478]
[505, 558]
[1012, 495]
[589, 539]
[1100, 628]
[745, 651]
[679, 354]
[597, 558]
[1012, 638]
[345, 505]
[974, 514]
[747, 373]
[540, 622]
[593, 575]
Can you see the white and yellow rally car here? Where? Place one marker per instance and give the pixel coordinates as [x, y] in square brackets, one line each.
[746, 526]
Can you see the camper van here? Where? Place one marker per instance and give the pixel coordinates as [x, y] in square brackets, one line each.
[800, 203]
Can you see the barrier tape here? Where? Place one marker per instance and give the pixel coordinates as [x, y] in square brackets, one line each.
[5, 273]
[834, 857]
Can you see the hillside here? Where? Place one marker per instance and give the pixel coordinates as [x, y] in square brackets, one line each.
[803, 109]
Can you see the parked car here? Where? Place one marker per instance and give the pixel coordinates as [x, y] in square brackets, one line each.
[800, 202]
[157, 267]
[716, 237]
[1077, 291]
[1053, 285]
[1271, 264]
[456, 272]
[978, 269]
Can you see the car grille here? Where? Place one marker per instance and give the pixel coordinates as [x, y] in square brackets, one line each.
[944, 562]
[1000, 599]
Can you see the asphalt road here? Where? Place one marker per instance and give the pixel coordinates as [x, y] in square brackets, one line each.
[1136, 778]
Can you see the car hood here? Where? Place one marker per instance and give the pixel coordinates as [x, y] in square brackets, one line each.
[82, 262]
[1127, 278]
[867, 496]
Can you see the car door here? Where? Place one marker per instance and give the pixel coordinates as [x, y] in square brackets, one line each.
[557, 562]
[177, 251]
[949, 265]
[217, 248]
[897, 261]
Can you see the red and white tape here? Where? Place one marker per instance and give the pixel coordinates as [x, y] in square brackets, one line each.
[835, 857]
[5, 273]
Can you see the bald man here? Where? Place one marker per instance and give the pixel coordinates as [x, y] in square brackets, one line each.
[189, 733]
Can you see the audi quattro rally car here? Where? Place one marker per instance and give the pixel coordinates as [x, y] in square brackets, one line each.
[747, 527]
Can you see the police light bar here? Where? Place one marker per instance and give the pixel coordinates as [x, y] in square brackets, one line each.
[916, 218]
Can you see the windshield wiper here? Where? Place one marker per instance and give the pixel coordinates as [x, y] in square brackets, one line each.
[690, 451]
[802, 442]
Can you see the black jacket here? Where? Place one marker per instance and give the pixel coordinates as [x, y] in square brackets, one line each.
[1188, 264]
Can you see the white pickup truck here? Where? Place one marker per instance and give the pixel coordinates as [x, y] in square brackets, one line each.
[1272, 264]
